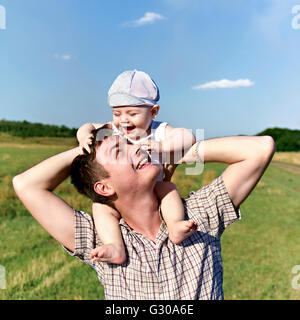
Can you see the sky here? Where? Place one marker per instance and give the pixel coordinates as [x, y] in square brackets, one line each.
[226, 66]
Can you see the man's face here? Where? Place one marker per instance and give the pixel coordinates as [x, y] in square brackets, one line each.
[129, 167]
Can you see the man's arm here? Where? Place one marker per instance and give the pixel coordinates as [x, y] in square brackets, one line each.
[248, 158]
[34, 188]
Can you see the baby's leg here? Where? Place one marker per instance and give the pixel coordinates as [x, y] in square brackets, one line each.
[108, 229]
[173, 212]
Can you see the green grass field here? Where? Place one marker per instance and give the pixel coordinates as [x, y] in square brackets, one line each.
[259, 251]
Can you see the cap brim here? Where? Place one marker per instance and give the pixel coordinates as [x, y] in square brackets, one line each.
[122, 100]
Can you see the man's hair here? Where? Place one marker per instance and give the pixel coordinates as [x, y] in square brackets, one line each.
[86, 171]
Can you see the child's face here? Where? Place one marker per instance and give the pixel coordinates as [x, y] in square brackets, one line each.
[134, 121]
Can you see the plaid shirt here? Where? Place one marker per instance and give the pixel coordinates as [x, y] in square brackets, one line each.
[190, 271]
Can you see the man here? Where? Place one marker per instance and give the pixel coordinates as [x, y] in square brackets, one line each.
[155, 268]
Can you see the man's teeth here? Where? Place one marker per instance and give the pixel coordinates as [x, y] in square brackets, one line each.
[144, 161]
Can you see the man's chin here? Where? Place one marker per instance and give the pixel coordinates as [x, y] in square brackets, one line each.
[150, 169]
[156, 171]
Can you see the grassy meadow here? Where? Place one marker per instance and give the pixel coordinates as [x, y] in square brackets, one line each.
[259, 251]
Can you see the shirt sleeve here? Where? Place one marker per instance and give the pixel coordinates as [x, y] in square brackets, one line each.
[212, 208]
[86, 239]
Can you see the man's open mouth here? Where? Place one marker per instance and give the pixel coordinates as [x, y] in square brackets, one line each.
[143, 163]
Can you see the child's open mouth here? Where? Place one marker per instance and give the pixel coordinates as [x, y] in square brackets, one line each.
[129, 129]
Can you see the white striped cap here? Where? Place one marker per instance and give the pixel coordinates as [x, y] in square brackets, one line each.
[133, 88]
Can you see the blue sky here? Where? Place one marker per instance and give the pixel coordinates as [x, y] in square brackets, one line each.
[58, 59]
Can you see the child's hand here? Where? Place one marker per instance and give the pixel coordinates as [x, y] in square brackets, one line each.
[151, 145]
[85, 144]
[85, 136]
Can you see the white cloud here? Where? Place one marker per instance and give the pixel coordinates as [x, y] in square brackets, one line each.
[224, 84]
[65, 57]
[148, 18]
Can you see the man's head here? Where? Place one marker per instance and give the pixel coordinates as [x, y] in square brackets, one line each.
[85, 171]
[114, 169]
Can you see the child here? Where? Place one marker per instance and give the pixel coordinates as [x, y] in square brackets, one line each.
[133, 97]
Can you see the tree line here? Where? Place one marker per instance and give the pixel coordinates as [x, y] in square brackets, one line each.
[285, 139]
[27, 129]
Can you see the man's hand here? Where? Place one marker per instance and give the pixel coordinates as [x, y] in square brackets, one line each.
[169, 170]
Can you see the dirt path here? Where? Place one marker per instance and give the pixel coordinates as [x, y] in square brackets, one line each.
[286, 166]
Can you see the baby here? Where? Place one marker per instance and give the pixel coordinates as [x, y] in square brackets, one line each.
[133, 97]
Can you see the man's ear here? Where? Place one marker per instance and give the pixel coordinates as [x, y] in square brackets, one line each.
[104, 189]
[154, 111]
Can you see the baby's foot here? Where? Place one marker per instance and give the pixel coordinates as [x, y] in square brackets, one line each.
[181, 230]
[109, 253]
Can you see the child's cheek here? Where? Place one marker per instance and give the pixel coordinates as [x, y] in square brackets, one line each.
[116, 122]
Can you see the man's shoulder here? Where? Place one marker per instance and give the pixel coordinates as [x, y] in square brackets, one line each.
[211, 207]
[83, 217]
[216, 186]
[85, 231]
